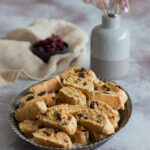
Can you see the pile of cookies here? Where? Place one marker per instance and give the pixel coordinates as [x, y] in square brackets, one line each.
[74, 107]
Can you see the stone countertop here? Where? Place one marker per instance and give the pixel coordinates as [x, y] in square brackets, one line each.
[19, 13]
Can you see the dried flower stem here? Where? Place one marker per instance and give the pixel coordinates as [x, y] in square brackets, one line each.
[111, 7]
[128, 5]
[117, 9]
[104, 9]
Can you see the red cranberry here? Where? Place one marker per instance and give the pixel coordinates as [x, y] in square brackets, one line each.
[51, 44]
[41, 49]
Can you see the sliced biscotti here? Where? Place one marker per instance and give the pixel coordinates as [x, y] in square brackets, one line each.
[70, 95]
[52, 138]
[81, 136]
[80, 72]
[27, 98]
[76, 108]
[94, 120]
[59, 119]
[85, 85]
[113, 87]
[95, 137]
[112, 114]
[111, 98]
[79, 78]
[51, 84]
[70, 108]
[27, 127]
[48, 97]
[30, 111]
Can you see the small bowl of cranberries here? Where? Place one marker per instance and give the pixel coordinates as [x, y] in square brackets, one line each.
[49, 47]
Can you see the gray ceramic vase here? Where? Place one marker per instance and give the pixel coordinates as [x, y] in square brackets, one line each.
[110, 49]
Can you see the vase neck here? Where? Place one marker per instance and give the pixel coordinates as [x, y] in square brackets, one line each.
[110, 22]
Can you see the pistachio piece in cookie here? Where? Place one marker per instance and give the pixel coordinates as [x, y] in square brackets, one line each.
[72, 96]
[59, 119]
[94, 120]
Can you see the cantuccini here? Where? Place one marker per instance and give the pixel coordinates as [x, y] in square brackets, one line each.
[51, 84]
[112, 114]
[27, 127]
[30, 111]
[95, 120]
[70, 95]
[59, 119]
[52, 138]
[111, 98]
[81, 136]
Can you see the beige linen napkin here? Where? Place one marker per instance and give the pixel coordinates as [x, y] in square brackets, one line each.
[16, 58]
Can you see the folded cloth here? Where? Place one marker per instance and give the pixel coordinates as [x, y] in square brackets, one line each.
[17, 59]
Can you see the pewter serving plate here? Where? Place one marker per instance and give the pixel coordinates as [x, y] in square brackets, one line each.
[124, 117]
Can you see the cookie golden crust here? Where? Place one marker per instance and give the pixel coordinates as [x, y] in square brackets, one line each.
[27, 98]
[27, 127]
[59, 119]
[95, 137]
[94, 120]
[112, 114]
[52, 138]
[113, 87]
[72, 109]
[30, 111]
[85, 85]
[112, 99]
[79, 78]
[81, 136]
[80, 72]
[48, 97]
[51, 84]
[70, 95]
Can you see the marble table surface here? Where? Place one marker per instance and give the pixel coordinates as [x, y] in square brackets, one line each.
[19, 13]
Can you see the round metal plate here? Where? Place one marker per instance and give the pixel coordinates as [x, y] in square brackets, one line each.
[124, 117]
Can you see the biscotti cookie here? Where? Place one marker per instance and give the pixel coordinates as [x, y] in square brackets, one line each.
[80, 72]
[79, 78]
[59, 119]
[30, 111]
[51, 84]
[110, 86]
[52, 138]
[112, 114]
[81, 136]
[27, 98]
[111, 98]
[27, 127]
[70, 108]
[95, 137]
[85, 85]
[76, 108]
[48, 97]
[94, 120]
[70, 95]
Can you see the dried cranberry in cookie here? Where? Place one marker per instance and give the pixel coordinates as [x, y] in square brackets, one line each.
[95, 121]
[59, 119]
[112, 114]
[52, 138]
